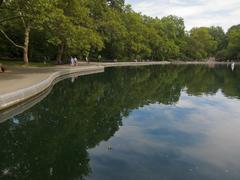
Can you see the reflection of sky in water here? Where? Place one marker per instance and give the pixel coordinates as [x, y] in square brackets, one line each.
[198, 138]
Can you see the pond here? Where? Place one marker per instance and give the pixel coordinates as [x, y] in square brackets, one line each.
[157, 122]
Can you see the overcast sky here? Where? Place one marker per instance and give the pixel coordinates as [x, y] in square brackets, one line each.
[196, 13]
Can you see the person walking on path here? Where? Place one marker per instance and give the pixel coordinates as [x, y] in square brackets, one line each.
[72, 61]
[75, 61]
[99, 58]
[87, 59]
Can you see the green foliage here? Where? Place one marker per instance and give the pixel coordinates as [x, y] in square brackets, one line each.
[28, 12]
[200, 43]
[233, 48]
[107, 28]
[116, 4]
[219, 36]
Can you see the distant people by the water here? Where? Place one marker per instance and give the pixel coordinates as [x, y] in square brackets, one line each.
[73, 61]
[45, 59]
[99, 58]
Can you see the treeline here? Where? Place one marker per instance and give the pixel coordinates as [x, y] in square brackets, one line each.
[105, 30]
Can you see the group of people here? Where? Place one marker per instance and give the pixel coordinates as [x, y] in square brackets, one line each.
[73, 61]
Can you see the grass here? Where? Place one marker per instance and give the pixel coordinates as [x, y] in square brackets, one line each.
[21, 63]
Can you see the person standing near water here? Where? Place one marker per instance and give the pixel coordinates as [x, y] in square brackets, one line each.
[87, 59]
[99, 58]
[75, 61]
[71, 61]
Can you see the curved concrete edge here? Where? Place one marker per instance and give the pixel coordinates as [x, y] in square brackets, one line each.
[17, 97]
[14, 98]
[23, 106]
[124, 64]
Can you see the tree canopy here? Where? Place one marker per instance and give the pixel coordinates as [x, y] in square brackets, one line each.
[54, 30]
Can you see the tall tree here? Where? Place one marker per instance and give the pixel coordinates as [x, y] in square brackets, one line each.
[219, 36]
[71, 28]
[117, 4]
[32, 15]
[200, 44]
[233, 48]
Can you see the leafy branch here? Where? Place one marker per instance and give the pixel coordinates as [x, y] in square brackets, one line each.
[10, 40]
[10, 19]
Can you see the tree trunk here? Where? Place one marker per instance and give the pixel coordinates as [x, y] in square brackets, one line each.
[26, 45]
[60, 53]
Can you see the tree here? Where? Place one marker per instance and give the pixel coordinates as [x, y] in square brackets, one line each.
[171, 31]
[109, 28]
[173, 27]
[116, 4]
[233, 48]
[200, 43]
[71, 28]
[136, 43]
[219, 36]
[32, 15]
[114, 34]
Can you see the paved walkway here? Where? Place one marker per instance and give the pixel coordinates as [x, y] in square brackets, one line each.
[16, 78]
[20, 77]
[21, 83]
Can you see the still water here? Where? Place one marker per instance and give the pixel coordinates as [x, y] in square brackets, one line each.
[150, 123]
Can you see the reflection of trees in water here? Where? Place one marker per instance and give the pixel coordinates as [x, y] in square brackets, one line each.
[202, 80]
[51, 139]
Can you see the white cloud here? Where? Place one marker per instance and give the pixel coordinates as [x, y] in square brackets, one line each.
[195, 12]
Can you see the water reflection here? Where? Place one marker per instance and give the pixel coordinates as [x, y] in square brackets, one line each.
[186, 141]
[233, 66]
[169, 122]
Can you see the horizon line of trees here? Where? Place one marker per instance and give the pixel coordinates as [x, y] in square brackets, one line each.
[105, 29]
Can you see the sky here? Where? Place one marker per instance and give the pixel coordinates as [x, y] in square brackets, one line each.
[196, 13]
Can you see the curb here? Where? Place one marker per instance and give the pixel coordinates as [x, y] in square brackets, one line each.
[11, 99]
